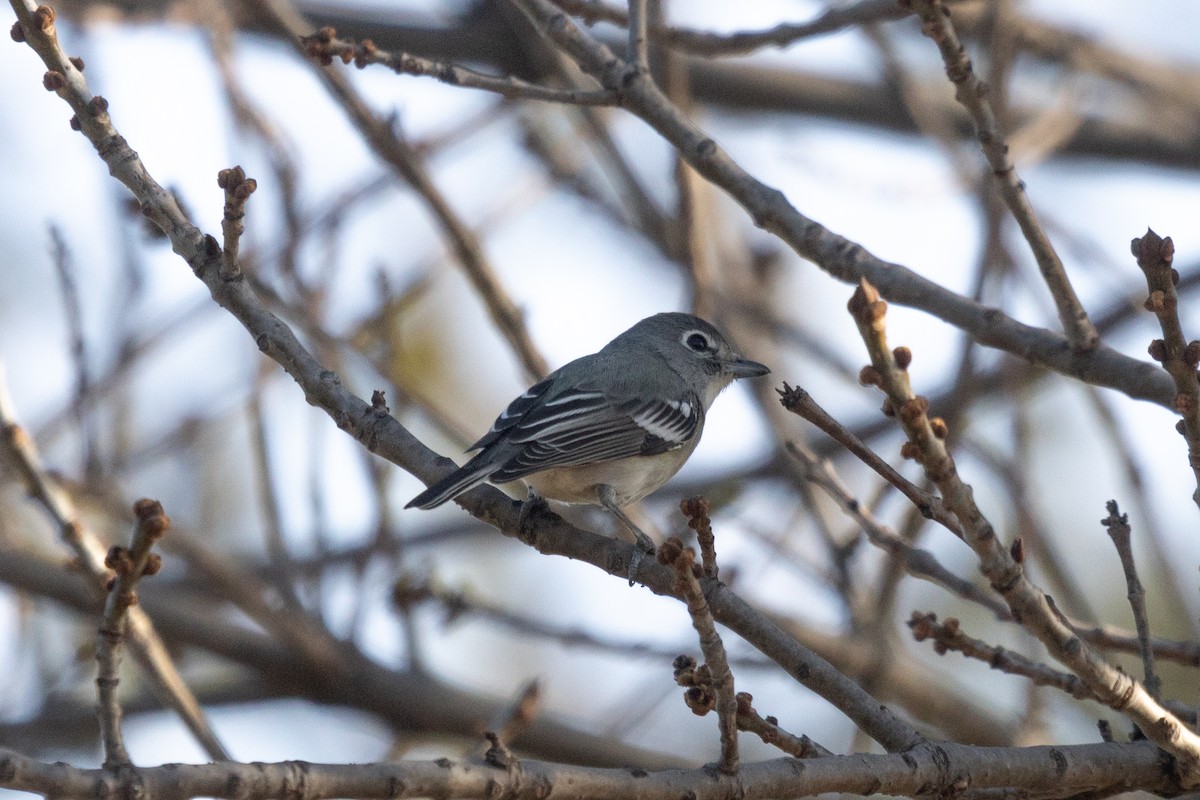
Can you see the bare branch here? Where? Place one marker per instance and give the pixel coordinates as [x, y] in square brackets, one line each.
[324, 45]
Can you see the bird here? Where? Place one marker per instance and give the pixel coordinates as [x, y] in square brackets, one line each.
[609, 428]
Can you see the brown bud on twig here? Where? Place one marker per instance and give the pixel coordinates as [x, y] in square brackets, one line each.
[921, 625]
[910, 451]
[1166, 250]
[230, 177]
[1154, 254]
[53, 81]
[903, 357]
[146, 508]
[939, 427]
[862, 295]
[45, 16]
[684, 670]
[694, 508]
[700, 699]
[76, 62]
[1157, 350]
[1191, 354]
[669, 550]
[1017, 551]
[869, 376]
[17, 32]
[245, 189]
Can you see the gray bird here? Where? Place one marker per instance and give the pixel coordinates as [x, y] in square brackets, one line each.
[609, 428]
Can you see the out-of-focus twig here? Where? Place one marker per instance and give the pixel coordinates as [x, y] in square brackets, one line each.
[129, 565]
[325, 45]
[1117, 525]
[715, 689]
[917, 562]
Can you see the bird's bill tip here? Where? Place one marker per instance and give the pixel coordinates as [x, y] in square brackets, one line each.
[745, 368]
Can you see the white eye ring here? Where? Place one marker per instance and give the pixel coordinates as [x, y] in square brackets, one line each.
[697, 342]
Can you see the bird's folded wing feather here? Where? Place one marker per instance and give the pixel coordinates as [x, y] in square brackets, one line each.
[583, 426]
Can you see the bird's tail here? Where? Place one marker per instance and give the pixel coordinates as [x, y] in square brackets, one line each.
[469, 475]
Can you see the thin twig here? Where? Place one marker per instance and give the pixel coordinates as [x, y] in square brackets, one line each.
[639, 49]
[1108, 637]
[284, 577]
[705, 43]
[696, 509]
[948, 635]
[1179, 358]
[238, 189]
[1117, 525]
[767, 729]
[514, 719]
[716, 689]
[917, 562]
[325, 45]
[128, 565]
[971, 92]
[801, 403]
[73, 314]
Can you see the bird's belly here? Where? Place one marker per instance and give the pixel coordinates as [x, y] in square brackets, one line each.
[631, 478]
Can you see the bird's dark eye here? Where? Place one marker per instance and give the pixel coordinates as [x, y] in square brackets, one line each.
[698, 342]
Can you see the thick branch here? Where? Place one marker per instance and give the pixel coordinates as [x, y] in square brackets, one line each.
[946, 770]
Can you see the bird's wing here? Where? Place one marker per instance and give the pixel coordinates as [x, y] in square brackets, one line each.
[583, 426]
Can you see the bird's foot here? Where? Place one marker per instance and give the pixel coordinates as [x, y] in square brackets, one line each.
[644, 546]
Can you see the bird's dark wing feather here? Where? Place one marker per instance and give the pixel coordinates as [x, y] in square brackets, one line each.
[583, 426]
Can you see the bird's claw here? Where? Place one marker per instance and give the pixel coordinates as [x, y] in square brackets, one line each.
[643, 547]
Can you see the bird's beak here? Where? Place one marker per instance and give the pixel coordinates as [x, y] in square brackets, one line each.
[745, 368]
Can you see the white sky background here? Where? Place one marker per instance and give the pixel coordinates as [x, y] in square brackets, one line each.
[890, 193]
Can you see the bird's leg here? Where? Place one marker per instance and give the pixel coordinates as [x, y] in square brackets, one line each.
[643, 545]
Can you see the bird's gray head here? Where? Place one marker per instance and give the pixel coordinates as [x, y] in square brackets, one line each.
[694, 349]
